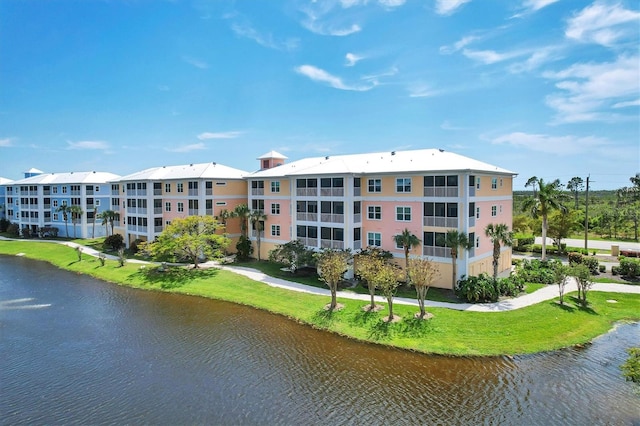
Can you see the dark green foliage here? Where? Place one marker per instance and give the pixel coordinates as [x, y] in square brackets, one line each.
[13, 230]
[244, 249]
[629, 267]
[48, 232]
[538, 271]
[591, 263]
[294, 254]
[113, 242]
[602, 269]
[26, 233]
[631, 367]
[4, 224]
[133, 247]
[477, 289]
[574, 258]
[524, 239]
[511, 286]
[615, 270]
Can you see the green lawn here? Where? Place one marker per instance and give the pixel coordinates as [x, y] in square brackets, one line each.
[542, 327]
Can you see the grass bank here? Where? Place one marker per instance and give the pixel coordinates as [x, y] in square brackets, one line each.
[542, 327]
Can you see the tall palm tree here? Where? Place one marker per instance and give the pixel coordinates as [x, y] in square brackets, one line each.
[105, 220]
[224, 216]
[499, 235]
[108, 218]
[76, 214]
[64, 209]
[408, 241]
[257, 218]
[455, 240]
[548, 197]
[242, 212]
[93, 223]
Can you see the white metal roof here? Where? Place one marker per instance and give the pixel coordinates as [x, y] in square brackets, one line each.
[272, 154]
[186, 171]
[5, 181]
[67, 178]
[415, 161]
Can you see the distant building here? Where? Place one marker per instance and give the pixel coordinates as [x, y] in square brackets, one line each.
[150, 199]
[3, 201]
[35, 201]
[355, 201]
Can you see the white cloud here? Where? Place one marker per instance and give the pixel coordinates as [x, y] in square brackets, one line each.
[535, 60]
[487, 56]
[5, 142]
[89, 145]
[560, 145]
[534, 5]
[265, 40]
[329, 30]
[188, 148]
[421, 90]
[352, 59]
[219, 135]
[448, 7]
[195, 62]
[627, 104]
[603, 23]
[458, 45]
[589, 91]
[320, 75]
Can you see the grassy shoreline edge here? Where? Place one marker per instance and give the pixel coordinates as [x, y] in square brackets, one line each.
[542, 327]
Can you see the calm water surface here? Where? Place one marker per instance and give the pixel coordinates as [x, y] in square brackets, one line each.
[74, 350]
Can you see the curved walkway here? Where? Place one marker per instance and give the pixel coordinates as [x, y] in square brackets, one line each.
[546, 293]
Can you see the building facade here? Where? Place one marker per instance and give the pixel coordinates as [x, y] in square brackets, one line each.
[41, 200]
[4, 182]
[357, 201]
[149, 200]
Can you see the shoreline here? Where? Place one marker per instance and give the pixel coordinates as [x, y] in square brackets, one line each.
[441, 335]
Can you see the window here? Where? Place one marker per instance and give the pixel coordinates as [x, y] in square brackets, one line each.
[500, 182]
[180, 207]
[64, 189]
[374, 212]
[275, 230]
[477, 212]
[375, 185]
[55, 217]
[399, 246]
[167, 223]
[167, 206]
[500, 208]
[257, 205]
[167, 187]
[265, 164]
[494, 211]
[97, 202]
[97, 188]
[403, 214]
[275, 209]
[222, 183]
[275, 187]
[55, 190]
[403, 185]
[55, 203]
[477, 183]
[374, 239]
[221, 203]
[494, 183]
[180, 187]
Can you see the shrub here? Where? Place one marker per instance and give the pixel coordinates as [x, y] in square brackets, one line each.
[602, 269]
[629, 267]
[133, 247]
[48, 232]
[615, 270]
[524, 239]
[591, 263]
[113, 242]
[575, 258]
[631, 367]
[26, 232]
[510, 286]
[243, 248]
[13, 230]
[538, 271]
[477, 289]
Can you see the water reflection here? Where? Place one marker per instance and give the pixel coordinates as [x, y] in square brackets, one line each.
[100, 354]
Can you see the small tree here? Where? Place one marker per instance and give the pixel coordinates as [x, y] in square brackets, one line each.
[367, 266]
[561, 274]
[102, 258]
[294, 254]
[191, 237]
[422, 273]
[386, 279]
[242, 212]
[257, 219]
[583, 278]
[499, 235]
[561, 224]
[455, 240]
[122, 259]
[332, 264]
[79, 253]
[575, 185]
[407, 240]
[243, 248]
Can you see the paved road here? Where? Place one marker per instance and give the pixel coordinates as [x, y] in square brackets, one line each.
[593, 244]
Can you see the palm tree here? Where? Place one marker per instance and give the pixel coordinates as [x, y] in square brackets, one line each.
[257, 218]
[455, 240]
[408, 241]
[499, 235]
[105, 220]
[64, 209]
[76, 214]
[108, 218]
[548, 197]
[224, 216]
[242, 212]
[93, 223]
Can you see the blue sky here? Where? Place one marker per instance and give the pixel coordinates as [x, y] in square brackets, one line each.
[549, 88]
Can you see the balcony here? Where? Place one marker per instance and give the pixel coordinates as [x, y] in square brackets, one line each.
[257, 191]
[193, 193]
[441, 191]
[157, 210]
[357, 218]
[307, 192]
[308, 241]
[332, 192]
[472, 221]
[440, 222]
[157, 229]
[89, 191]
[331, 218]
[115, 192]
[193, 212]
[309, 217]
[208, 191]
[436, 251]
[332, 244]
[75, 192]
[208, 212]
[472, 190]
[157, 191]
[356, 192]
[357, 245]
[254, 233]
[46, 192]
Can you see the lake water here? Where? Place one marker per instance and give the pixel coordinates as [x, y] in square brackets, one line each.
[74, 350]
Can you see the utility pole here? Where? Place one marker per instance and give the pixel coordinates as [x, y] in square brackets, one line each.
[586, 217]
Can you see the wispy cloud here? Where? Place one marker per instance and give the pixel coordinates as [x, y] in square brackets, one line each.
[603, 23]
[329, 29]
[448, 7]
[560, 145]
[265, 40]
[321, 76]
[352, 59]
[421, 90]
[531, 6]
[488, 56]
[219, 135]
[188, 148]
[88, 145]
[195, 62]
[589, 91]
[446, 125]
[627, 104]
[458, 45]
[5, 142]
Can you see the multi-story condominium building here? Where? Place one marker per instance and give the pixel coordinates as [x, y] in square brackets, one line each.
[3, 191]
[36, 201]
[150, 199]
[355, 201]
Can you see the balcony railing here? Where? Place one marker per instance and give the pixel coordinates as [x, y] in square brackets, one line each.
[257, 191]
[472, 221]
[254, 233]
[357, 245]
[436, 251]
[307, 192]
[157, 229]
[89, 191]
[356, 192]
[193, 192]
[307, 241]
[208, 212]
[309, 217]
[332, 244]
[439, 191]
[357, 218]
[472, 190]
[157, 191]
[441, 222]
[157, 210]
[332, 192]
[332, 218]
[193, 212]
